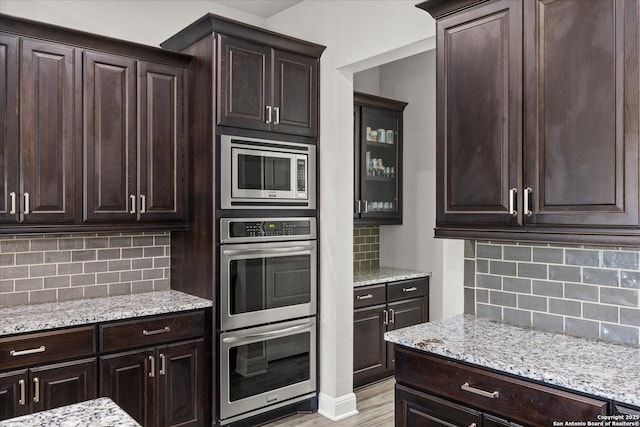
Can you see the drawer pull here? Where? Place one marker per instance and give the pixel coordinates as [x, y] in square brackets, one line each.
[40, 349]
[157, 331]
[23, 393]
[467, 387]
[361, 297]
[472, 425]
[411, 289]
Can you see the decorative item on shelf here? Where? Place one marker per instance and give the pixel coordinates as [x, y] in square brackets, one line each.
[390, 136]
[369, 134]
[382, 135]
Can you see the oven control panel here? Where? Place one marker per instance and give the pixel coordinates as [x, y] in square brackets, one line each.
[259, 229]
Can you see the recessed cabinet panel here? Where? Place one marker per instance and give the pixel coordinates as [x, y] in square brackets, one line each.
[478, 118]
[9, 174]
[162, 153]
[11, 384]
[110, 137]
[47, 107]
[295, 93]
[244, 91]
[583, 148]
[63, 384]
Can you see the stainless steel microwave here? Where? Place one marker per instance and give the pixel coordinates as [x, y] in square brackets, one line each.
[263, 174]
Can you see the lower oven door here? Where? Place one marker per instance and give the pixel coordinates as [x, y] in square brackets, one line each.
[266, 367]
[267, 282]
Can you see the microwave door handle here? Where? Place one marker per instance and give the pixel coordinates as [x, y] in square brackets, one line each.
[265, 251]
[252, 337]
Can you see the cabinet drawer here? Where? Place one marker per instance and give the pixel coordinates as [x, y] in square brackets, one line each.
[507, 397]
[46, 347]
[155, 330]
[369, 295]
[407, 289]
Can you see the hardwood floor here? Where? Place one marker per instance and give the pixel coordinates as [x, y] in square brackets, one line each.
[375, 409]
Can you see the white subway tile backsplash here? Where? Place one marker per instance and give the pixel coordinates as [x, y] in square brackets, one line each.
[44, 268]
[588, 291]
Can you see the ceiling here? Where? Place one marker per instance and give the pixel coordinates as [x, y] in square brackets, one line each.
[263, 8]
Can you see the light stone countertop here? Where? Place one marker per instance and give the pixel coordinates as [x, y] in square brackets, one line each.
[385, 275]
[101, 412]
[594, 367]
[39, 317]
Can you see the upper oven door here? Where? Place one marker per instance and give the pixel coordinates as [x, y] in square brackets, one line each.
[262, 174]
[267, 282]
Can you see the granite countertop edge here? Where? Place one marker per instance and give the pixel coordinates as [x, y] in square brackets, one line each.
[55, 315]
[101, 412]
[385, 275]
[594, 367]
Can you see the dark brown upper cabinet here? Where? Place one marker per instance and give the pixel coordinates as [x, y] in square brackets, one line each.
[134, 148]
[377, 159]
[38, 148]
[93, 132]
[266, 89]
[538, 120]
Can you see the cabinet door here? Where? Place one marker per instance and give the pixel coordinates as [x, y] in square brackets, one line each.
[381, 166]
[479, 100]
[403, 314]
[48, 124]
[582, 111]
[414, 408]
[244, 84]
[162, 167]
[9, 166]
[13, 394]
[369, 347]
[109, 138]
[63, 384]
[295, 93]
[128, 379]
[182, 385]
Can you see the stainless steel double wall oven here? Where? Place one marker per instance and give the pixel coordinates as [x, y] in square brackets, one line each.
[268, 276]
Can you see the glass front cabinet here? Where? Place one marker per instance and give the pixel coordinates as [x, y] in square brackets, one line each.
[378, 159]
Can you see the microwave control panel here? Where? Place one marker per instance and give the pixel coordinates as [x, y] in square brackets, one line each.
[255, 229]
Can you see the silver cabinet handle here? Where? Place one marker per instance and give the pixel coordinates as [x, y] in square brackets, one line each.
[27, 211]
[268, 114]
[393, 316]
[40, 349]
[277, 110]
[512, 201]
[472, 425]
[163, 364]
[266, 251]
[133, 204]
[361, 297]
[411, 289]
[386, 317]
[143, 204]
[13, 203]
[366, 206]
[152, 369]
[527, 195]
[23, 393]
[357, 206]
[36, 390]
[157, 331]
[467, 387]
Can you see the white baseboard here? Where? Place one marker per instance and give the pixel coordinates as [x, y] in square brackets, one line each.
[337, 408]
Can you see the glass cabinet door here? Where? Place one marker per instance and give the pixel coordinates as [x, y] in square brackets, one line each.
[378, 173]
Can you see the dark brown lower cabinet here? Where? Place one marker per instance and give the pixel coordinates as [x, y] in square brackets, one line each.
[158, 386]
[436, 391]
[46, 387]
[379, 309]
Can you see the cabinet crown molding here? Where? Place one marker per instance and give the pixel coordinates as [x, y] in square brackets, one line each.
[440, 8]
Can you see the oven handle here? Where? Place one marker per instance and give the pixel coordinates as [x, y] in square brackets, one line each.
[232, 340]
[266, 250]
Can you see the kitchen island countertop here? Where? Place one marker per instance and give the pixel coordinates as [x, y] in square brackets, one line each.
[589, 366]
[102, 412]
[385, 275]
[39, 317]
